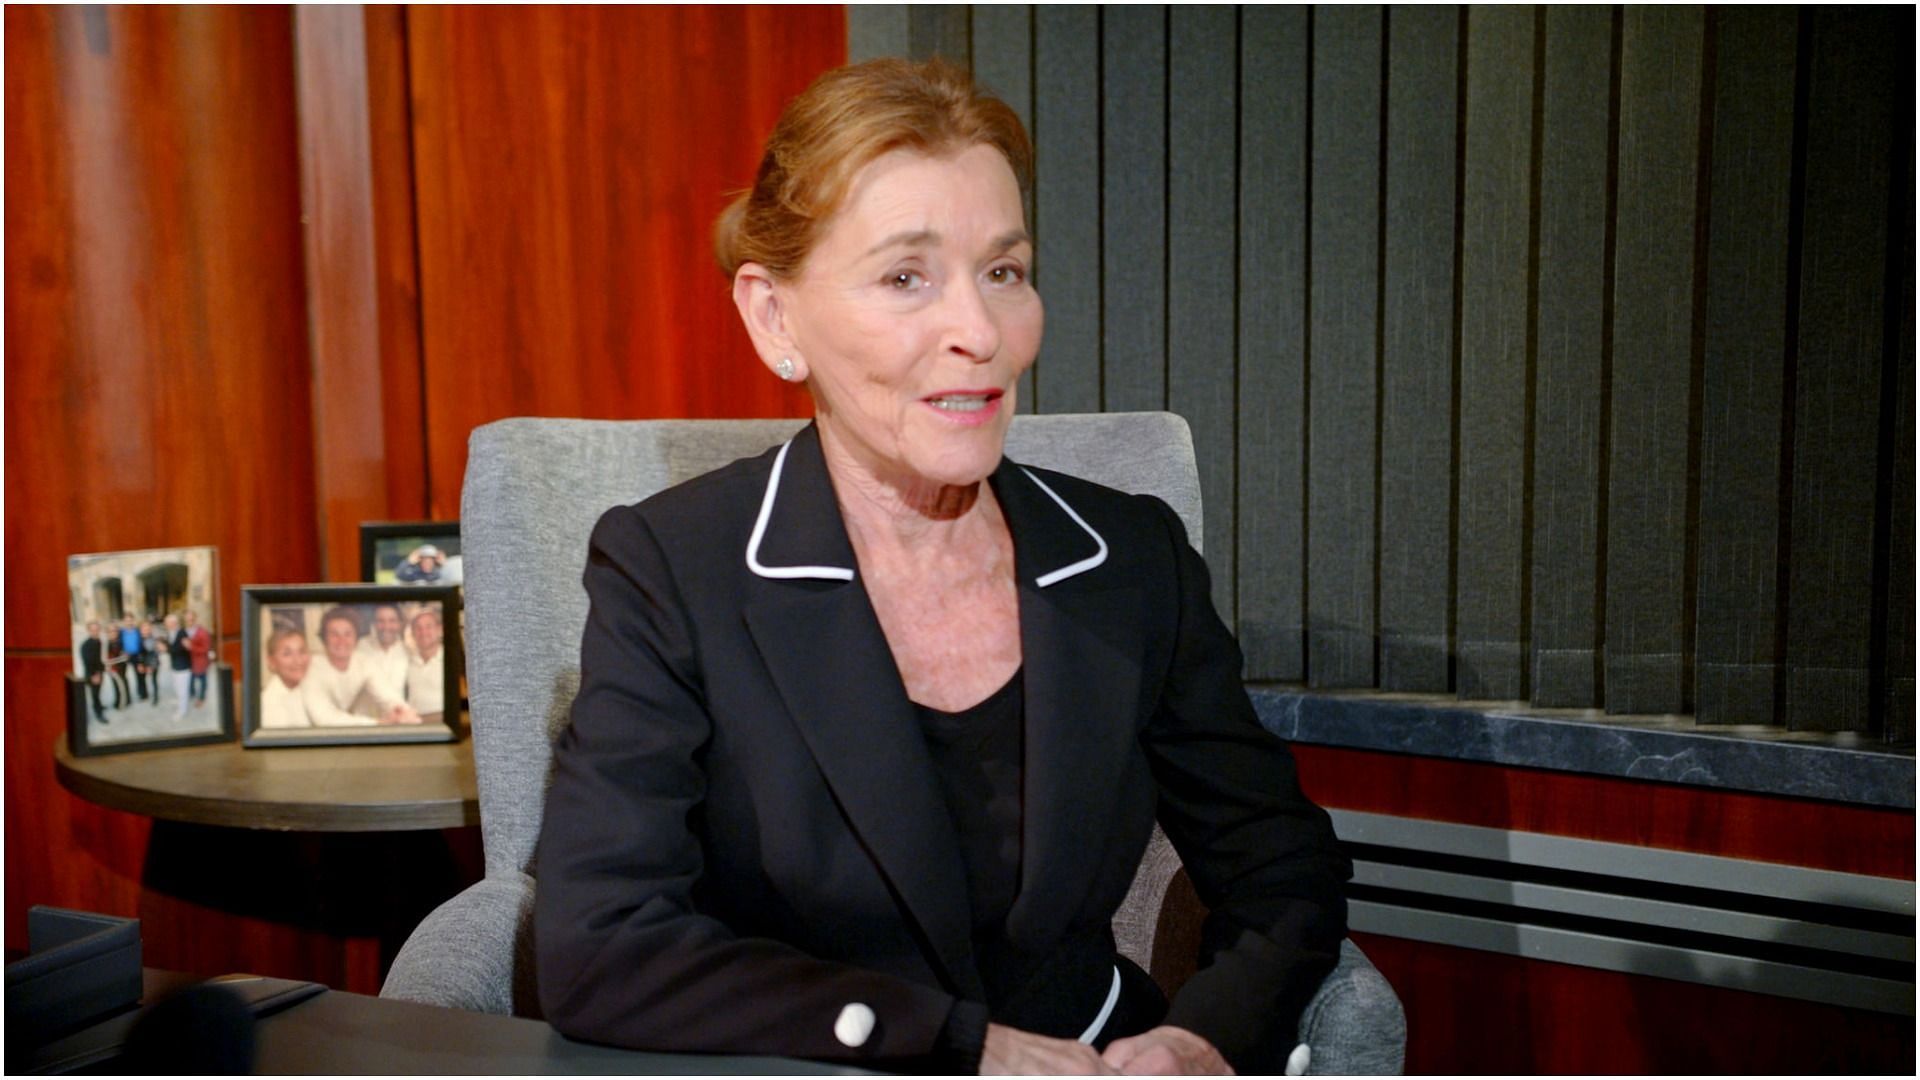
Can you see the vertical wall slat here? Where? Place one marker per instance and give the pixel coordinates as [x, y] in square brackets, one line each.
[1744, 365]
[1416, 388]
[1343, 355]
[1003, 62]
[1066, 122]
[1660, 59]
[1570, 331]
[1199, 345]
[1496, 206]
[940, 30]
[875, 30]
[1133, 209]
[1272, 349]
[1836, 425]
[1898, 715]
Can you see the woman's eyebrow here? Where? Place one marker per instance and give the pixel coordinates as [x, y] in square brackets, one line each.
[912, 238]
[928, 237]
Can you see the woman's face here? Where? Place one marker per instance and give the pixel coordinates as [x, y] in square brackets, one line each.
[914, 316]
[289, 660]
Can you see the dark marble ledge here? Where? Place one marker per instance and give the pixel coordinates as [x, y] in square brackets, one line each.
[1810, 765]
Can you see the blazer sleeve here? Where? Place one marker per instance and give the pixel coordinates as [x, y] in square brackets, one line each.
[1261, 856]
[624, 953]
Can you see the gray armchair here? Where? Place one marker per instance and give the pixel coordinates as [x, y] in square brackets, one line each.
[534, 489]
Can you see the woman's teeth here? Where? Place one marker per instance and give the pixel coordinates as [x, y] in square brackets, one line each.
[960, 403]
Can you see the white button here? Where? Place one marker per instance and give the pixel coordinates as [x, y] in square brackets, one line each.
[854, 1025]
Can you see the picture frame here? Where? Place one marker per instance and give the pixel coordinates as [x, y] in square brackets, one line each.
[86, 737]
[333, 664]
[145, 632]
[394, 552]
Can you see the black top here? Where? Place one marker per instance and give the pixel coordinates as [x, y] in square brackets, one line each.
[976, 758]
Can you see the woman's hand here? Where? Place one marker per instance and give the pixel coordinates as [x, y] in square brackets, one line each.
[1166, 1051]
[1012, 1052]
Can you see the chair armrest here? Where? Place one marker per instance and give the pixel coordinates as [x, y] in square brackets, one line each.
[1354, 1024]
[473, 952]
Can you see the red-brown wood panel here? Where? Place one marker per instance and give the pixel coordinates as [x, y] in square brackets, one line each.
[1479, 1012]
[61, 850]
[156, 360]
[1800, 832]
[357, 191]
[569, 163]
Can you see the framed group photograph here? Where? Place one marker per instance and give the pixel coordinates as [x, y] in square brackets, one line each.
[333, 664]
[145, 647]
[410, 552]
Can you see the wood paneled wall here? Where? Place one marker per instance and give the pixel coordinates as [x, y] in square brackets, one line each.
[563, 273]
[265, 270]
[1559, 354]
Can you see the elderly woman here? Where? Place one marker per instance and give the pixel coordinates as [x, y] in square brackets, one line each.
[872, 729]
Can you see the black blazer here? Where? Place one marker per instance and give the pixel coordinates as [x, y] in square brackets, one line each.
[744, 834]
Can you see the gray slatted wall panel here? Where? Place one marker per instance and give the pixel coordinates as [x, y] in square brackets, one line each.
[1898, 715]
[1066, 120]
[1744, 366]
[940, 30]
[875, 30]
[1416, 373]
[1495, 207]
[1571, 335]
[1272, 375]
[1003, 62]
[1133, 209]
[1837, 386]
[1647, 586]
[1199, 346]
[1343, 353]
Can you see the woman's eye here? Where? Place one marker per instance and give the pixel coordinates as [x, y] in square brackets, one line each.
[1006, 275]
[906, 280]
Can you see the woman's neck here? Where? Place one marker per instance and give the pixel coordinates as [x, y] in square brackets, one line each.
[893, 506]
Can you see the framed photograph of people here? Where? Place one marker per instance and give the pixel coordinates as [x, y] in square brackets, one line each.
[410, 552]
[333, 664]
[145, 649]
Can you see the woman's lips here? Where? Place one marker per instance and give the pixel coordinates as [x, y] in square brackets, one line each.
[967, 407]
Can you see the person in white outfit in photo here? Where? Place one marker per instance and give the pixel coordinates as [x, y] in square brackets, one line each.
[330, 688]
[281, 705]
[427, 667]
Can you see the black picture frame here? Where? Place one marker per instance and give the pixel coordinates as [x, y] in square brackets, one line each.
[261, 603]
[379, 538]
[80, 733]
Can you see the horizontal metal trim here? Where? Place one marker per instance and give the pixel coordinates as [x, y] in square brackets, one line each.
[1601, 905]
[1633, 957]
[1892, 896]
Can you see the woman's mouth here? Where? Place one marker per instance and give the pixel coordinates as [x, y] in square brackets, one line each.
[966, 406]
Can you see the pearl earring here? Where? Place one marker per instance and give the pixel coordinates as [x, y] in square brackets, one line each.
[783, 367]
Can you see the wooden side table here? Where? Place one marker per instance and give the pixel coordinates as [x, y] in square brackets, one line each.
[306, 788]
[310, 862]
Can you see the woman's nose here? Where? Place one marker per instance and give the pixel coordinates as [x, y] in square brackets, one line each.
[973, 331]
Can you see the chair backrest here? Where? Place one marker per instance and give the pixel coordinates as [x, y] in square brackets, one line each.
[534, 489]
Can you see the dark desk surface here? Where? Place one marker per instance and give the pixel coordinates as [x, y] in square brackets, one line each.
[338, 1032]
[309, 788]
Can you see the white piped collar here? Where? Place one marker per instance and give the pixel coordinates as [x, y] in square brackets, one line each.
[846, 573]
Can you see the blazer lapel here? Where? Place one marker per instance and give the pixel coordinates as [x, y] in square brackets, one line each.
[1080, 634]
[824, 648]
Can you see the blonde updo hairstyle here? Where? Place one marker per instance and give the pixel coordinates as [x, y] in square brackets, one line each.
[846, 119]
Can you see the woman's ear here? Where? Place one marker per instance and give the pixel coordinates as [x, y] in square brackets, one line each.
[761, 300]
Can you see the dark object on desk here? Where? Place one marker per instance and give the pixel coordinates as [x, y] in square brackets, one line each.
[79, 968]
[161, 1039]
[206, 1029]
